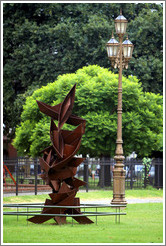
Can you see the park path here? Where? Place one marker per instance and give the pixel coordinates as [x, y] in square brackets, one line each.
[129, 200]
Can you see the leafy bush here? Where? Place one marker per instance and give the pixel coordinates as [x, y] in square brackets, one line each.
[96, 101]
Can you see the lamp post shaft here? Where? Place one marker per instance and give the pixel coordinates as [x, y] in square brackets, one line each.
[119, 149]
[118, 172]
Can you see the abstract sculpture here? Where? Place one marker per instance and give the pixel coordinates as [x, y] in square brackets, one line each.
[59, 165]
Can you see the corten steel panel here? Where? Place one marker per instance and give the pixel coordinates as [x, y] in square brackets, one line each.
[82, 219]
[58, 163]
[75, 182]
[53, 113]
[60, 220]
[69, 201]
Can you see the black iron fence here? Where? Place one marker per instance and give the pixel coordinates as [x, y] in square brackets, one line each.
[97, 173]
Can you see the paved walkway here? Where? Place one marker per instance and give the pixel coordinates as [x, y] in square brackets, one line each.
[129, 201]
[26, 193]
[101, 201]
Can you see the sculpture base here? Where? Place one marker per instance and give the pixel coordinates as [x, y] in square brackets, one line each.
[63, 198]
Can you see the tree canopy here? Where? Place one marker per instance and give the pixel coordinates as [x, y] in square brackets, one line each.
[96, 102]
[45, 40]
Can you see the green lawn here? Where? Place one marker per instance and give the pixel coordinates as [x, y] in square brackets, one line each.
[142, 224]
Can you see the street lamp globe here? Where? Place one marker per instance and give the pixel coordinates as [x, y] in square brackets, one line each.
[112, 48]
[120, 24]
[127, 49]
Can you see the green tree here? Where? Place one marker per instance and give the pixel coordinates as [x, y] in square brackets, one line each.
[96, 101]
[146, 31]
[44, 40]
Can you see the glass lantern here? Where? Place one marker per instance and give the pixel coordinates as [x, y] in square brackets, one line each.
[112, 48]
[120, 24]
[127, 49]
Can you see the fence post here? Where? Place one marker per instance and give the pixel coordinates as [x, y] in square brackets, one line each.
[107, 171]
[131, 178]
[101, 174]
[158, 176]
[86, 173]
[111, 166]
[35, 171]
[145, 177]
[17, 170]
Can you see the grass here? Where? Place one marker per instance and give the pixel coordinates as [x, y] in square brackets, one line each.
[142, 224]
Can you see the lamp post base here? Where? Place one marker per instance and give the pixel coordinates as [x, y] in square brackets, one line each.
[119, 184]
[118, 202]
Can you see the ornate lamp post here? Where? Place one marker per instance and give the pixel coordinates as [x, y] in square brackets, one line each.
[119, 55]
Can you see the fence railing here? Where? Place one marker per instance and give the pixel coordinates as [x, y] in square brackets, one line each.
[97, 173]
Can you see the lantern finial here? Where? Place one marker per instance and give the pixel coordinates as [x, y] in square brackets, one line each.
[121, 11]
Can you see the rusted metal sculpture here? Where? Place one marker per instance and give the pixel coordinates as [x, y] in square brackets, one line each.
[58, 163]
